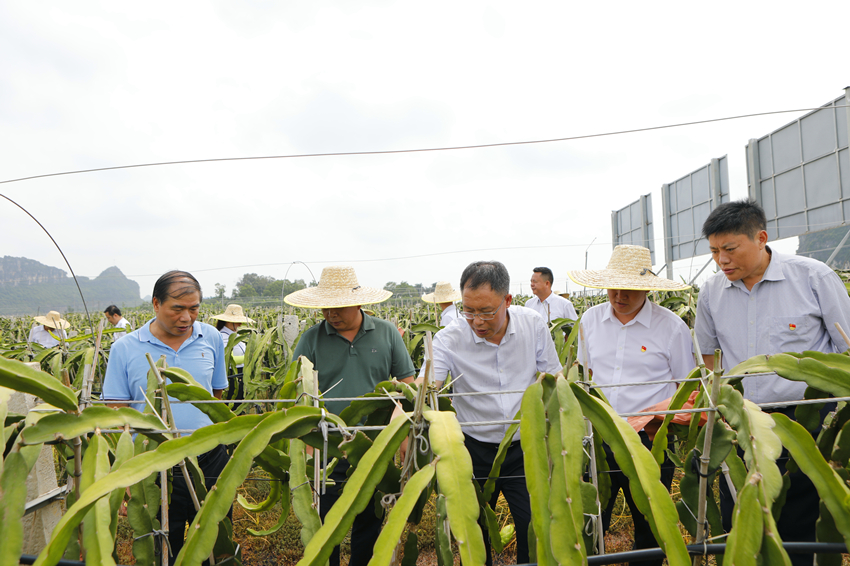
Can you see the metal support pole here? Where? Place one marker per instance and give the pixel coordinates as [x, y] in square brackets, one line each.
[668, 238]
[705, 457]
[838, 248]
[754, 172]
[694, 278]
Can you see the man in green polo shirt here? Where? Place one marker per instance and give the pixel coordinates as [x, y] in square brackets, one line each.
[353, 352]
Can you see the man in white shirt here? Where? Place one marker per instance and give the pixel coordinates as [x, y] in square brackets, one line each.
[762, 302]
[444, 297]
[113, 315]
[501, 348]
[631, 339]
[50, 329]
[546, 303]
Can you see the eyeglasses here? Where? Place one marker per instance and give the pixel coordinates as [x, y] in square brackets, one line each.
[482, 315]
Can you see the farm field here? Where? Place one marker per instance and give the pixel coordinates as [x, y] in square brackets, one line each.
[273, 381]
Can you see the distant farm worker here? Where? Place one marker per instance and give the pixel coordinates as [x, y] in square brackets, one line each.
[501, 348]
[49, 330]
[444, 297]
[227, 323]
[186, 343]
[353, 352]
[631, 339]
[547, 304]
[113, 315]
[764, 302]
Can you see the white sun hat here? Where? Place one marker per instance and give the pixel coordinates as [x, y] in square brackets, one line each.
[443, 293]
[233, 313]
[338, 287]
[53, 320]
[630, 268]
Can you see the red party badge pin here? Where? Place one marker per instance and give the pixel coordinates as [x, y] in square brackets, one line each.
[792, 327]
[643, 348]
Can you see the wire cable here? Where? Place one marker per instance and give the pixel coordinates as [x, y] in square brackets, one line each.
[415, 150]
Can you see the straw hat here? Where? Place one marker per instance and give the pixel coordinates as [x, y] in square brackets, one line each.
[53, 320]
[630, 267]
[443, 293]
[338, 287]
[233, 313]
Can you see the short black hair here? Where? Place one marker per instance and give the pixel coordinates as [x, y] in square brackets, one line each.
[493, 273]
[162, 288]
[112, 310]
[546, 273]
[737, 217]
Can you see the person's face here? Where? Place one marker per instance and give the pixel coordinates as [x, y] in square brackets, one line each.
[626, 304]
[739, 256]
[343, 319]
[234, 326]
[175, 317]
[485, 300]
[113, 318]
[539, 285]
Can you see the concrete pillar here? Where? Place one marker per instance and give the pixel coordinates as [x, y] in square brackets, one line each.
[42, 478]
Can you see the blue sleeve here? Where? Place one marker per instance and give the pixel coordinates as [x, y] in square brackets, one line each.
[704, 328]
[835, 307]
[116, 382]
[219, 378]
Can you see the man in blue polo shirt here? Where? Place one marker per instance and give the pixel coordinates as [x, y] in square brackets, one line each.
[194, 346]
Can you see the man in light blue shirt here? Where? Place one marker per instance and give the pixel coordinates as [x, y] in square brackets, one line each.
[762, 302]
[194, 346]
[495, 347]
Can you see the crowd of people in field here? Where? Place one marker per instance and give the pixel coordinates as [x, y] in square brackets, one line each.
[759, 302]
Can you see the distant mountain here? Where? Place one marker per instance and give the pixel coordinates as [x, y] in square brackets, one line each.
[30, 287]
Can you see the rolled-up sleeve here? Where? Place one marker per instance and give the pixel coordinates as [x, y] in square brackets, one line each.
[704, 328]
[834, 306]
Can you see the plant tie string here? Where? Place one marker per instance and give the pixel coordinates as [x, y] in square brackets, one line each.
[158, 533]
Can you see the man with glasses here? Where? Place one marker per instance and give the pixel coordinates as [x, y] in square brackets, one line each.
[500, 350]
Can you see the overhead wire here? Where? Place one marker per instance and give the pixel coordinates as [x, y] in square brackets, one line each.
[415, 150]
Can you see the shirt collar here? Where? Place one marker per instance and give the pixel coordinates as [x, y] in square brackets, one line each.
[145, 334]
[508, 332]
[644, 316]
[774, 272]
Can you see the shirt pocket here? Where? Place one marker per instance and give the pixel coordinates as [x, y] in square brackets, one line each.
[788, 334]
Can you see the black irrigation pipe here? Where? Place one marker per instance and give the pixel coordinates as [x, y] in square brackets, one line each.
[630, 556]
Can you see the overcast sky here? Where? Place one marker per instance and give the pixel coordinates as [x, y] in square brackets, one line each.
[99, 84]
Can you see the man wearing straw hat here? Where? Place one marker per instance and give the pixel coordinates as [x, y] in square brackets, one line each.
[763, 302]
[444, 296]
[186, 343]
[353, 352]
[546, 303]
[227, 323]
[500, 349]
[630, 339]
[42, 334]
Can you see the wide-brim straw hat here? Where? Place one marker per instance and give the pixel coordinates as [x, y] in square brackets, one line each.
[53, 320]
[443, 293]
[338, 288]
[630, 268]
[233, 313]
